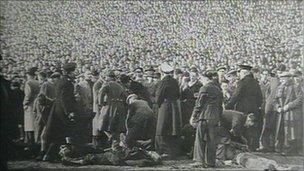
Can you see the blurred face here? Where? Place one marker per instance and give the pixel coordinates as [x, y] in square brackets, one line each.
[193, 76]
[221, 73]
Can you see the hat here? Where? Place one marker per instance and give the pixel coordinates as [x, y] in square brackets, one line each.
[138, 69]
[166, 68]
[131, 96]
[245, 67]
[209, 74]
[55, 75]
[221, 67]
[69, 67]
[32, 71]
[232, 72]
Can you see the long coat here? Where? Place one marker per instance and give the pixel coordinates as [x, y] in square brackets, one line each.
[31, 90]
[112, 99]
[169, 117]
[247, 98]
[293, 117]
[295, 110]
[43, 106]
[59, 125]
[208, 111]
[97, 86]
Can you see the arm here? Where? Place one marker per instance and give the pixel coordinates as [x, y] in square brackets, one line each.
[160, 93]
[101, 95]
[297, 102]
[200, 102]
[68, 97]
[27, 94]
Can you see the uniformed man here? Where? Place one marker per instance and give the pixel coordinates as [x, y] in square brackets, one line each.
[169, 119]
[31, 90]
[248, 98]
[63, 113]
[206, 118]
[112, 101]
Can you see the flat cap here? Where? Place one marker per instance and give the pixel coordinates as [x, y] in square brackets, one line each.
[71, 66]
[245, 67]
[55, 75]
[221, 67]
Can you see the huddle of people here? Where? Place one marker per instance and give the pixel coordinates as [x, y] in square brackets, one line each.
[156, 113]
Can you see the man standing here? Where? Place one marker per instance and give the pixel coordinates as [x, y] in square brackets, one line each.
[60, 124]
[96, 140]
[247, 99]
[189, 95]
[169, 118]
[206, 118]
[112, 98]
[31, 90]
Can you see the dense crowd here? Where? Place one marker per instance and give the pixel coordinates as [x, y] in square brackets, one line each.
[101, 61]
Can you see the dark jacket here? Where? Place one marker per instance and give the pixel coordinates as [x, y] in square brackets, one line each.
[247, 97]
[188, 98]
[169, 118]
[59, 125]
[208, 106]
[112, 97]
[141, 123]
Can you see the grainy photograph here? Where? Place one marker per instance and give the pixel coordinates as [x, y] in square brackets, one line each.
[152, 85]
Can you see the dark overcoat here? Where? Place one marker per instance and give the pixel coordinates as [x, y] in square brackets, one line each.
[169, 117]
[59, 125]
[188, 98]
[247, 97]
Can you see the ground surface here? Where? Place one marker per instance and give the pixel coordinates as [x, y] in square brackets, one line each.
[295, 162]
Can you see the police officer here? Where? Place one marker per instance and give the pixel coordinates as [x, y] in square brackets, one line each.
[169, 119]
[206, 118]
[248, 98]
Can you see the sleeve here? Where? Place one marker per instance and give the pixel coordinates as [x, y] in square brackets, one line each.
[235, 97]
[68, 97]
[200, 102]
[259, 97]
[27, 94]
[298, 100]
[102, 93]
[160, 93]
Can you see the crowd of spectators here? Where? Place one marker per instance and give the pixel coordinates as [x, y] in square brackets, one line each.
[116, 34]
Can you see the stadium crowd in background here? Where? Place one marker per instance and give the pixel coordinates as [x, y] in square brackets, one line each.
[109, 63]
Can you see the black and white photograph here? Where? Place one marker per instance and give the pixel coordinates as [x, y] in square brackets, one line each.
[152, 85]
